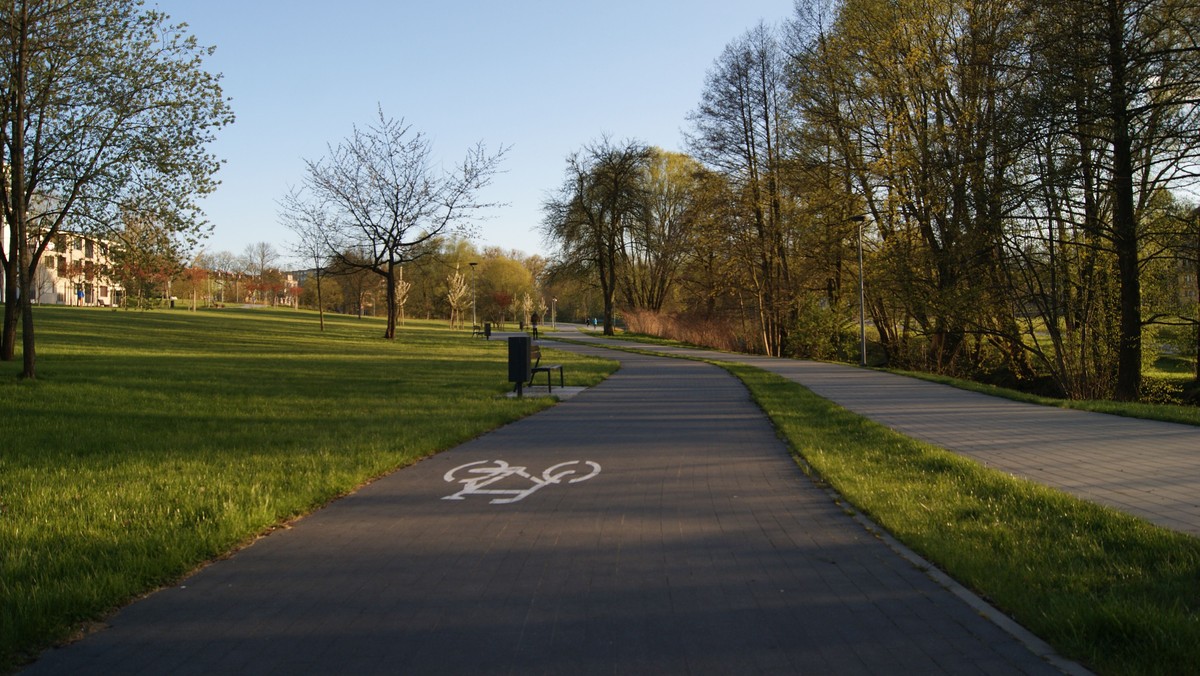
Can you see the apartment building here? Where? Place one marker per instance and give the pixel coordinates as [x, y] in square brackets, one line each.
[74, 270]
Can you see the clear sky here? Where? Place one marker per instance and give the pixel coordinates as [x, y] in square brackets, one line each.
[545, 77]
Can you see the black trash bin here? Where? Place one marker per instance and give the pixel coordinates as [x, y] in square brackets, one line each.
[520, 361]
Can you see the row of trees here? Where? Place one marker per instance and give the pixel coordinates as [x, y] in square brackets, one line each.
[1023, 168]
[455, 281]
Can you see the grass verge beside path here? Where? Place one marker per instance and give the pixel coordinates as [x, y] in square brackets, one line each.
[1118, 594]
[155, 441]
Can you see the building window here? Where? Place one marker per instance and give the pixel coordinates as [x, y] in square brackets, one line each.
[89, 249]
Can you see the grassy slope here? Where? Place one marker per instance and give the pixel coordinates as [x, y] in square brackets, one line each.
[152, 442]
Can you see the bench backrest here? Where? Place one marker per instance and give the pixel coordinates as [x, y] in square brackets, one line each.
[535, 354]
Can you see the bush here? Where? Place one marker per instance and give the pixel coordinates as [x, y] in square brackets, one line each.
[820, 332]
[714, 333]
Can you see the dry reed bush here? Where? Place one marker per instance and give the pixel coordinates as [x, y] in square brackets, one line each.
[718, 334]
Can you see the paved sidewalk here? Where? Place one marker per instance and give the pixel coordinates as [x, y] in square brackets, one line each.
[653, 524]
[1142, 467]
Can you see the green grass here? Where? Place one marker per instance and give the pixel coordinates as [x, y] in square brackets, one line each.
[152, 442]
[1114, 592]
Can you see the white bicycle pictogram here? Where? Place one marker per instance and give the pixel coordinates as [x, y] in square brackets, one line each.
[476, 477]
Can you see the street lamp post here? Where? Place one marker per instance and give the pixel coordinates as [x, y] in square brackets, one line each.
[862, 319]
[474, 321]
[554, 313]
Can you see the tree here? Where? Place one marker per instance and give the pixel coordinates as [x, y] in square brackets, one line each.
[144, 259]
[106, 107]
[194, 278]
[261, 257]
[655, 245]
[383, 200]
[456, 295]
[307, 222]
[331, 294]
[1139, 64]
[602, 196]
[356, 283]
[740, 131]
[402, 289]
[502, 276]
[503, 300]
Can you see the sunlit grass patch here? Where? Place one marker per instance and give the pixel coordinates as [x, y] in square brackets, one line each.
[154, 441]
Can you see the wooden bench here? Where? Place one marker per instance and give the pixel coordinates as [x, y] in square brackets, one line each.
[535, 354]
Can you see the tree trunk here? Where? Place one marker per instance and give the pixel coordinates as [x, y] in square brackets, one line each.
[1125, 235]
[8, 338]
[320, 302]
[20, 207]
[28, 352]
[390, 279]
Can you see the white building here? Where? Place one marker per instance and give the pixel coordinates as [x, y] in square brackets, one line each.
[74, 270]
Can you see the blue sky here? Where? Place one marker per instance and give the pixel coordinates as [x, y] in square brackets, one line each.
[543, 77]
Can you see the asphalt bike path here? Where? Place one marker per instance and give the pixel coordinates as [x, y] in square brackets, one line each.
[1146, 468]
[653, 524]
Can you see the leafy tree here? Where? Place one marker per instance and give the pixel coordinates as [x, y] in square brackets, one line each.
[357, 284]
[502, 300]
[194, 278]
[603, 195]
[501, 275]
[106, 107]
[655, 245]
[144, 260]
[330, 297]
[1123, 76]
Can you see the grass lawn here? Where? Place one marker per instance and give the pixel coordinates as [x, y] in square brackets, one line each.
[1116, 593]
[155, 441]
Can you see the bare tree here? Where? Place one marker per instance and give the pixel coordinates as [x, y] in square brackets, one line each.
[402, 289]
[739, 130]
[384, 200]
[308, 223]
[456, 295]
[261, 258]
